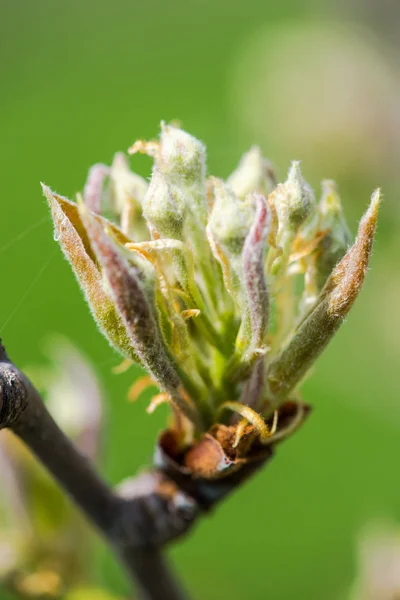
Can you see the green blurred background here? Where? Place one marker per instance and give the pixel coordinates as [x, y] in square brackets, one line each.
[80, 80]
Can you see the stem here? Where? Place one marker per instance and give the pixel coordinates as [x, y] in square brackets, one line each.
[23, 411]
[154, 575]
[69, 467]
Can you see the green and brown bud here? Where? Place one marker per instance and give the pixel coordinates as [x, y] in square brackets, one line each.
[184, 276]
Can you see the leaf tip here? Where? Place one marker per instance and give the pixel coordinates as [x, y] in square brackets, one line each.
[348, 277]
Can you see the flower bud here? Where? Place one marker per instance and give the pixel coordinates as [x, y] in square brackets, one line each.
[126, 194]
[121, 200]
[182, 160]
[253, 174]
[230, 219]
[294, 204]
[163, 207]
[182, 157]
[125, 184]
[227, 229]
[337, 240]
[93, 192]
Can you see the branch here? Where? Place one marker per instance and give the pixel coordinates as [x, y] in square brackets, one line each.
[122, 519]
[147, 511]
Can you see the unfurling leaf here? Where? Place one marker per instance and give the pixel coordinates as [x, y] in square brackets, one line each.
[137, 313]
[93, 192]
[254, 275]
[319, 326]
[73, 238]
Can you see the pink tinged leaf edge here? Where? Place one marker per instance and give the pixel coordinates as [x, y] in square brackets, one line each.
[93, 190]
[137, 314]
[254, 272]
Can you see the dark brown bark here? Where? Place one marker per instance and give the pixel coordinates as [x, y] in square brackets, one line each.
[119, 518]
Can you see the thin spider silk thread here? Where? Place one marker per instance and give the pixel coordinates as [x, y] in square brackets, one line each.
[27, 291]
[24, 233]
